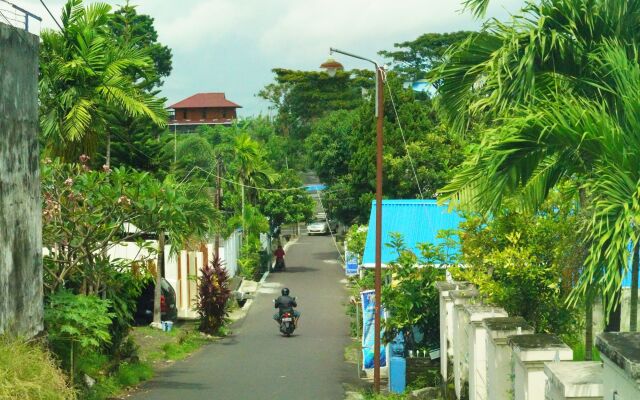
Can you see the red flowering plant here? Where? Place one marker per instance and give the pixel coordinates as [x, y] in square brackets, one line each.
[213, 297]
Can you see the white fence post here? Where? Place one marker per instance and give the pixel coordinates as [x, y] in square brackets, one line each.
[498, 363]
[620, 353]
[477, 339]
[573, 380]
[530, 352]
[460, 298]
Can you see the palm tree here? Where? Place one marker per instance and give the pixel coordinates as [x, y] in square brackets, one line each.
[83, 80]
[545, 53]
[591, 143]
[249, 166]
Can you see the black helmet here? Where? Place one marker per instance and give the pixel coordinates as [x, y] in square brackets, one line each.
[285, 292]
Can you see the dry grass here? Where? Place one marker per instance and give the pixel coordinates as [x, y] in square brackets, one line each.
[27, 371]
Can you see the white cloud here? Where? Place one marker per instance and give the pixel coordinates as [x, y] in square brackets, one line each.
[231, 45]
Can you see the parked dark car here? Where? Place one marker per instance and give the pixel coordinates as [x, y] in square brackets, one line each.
[168, 307]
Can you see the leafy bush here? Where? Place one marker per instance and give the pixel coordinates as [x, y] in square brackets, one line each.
[412, 299]
[27, 371]
[526, 263]
[123, 291]
[76, 323]
[213, 296]
[249, 260]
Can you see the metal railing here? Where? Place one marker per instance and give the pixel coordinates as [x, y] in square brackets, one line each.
[16, 16]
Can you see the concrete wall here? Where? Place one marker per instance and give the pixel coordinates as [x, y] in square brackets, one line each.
[21, 306]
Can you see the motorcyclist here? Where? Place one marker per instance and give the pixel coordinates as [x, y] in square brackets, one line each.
[286, 303]
[279, 253]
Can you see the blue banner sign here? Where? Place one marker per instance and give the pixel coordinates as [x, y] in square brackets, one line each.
[368, 331]
[351, 267]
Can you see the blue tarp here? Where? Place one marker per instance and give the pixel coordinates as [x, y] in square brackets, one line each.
[315, 188]
[418, 221]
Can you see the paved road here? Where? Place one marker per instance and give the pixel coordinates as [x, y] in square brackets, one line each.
[256, 362]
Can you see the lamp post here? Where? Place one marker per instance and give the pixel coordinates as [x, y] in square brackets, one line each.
[332, 67]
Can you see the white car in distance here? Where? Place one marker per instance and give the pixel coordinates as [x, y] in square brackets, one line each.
[321, 226]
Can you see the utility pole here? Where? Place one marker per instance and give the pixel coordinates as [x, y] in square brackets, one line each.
[332, 67]
[378, 259]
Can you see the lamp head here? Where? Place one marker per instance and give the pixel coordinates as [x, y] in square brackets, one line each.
[331, 66]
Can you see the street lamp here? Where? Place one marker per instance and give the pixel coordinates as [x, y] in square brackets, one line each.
[331, 67]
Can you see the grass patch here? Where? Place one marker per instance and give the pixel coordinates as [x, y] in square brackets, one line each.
[352, 352]
[157, 346]
[186, 343]
[578, 352]
[27, 371]
[132, 374]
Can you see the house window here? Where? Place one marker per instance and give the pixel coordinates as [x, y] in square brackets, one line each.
[204, 113]
[224, 114]
[184, 114]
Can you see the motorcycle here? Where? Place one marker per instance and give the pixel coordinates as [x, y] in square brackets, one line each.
[279, 265]
[287, 323]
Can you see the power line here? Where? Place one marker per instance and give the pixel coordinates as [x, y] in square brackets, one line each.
[406, 147]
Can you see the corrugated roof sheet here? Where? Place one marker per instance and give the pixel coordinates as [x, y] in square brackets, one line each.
[204, 100]
[419, 221]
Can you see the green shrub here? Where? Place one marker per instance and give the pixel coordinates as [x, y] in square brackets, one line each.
[76, 325]
[27, 371]
[132, 374]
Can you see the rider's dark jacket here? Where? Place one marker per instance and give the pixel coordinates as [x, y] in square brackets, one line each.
[285, 303]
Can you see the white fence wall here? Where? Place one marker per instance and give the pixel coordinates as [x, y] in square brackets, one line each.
[523, 357]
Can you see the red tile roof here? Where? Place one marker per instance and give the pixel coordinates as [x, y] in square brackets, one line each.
[205, 100]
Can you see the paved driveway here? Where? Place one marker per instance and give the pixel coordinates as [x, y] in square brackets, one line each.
[256, 362]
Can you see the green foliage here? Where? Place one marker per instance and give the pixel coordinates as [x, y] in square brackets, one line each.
[132, 374]
[186, 344]
[137, 30]
[412, 298]
[249, 260]
[350, 168]
[328, 145]
[557, 84]
[27, 371]
[286, 204]
[213, 297]
[84, 78]
[526, 264]
[415, 58]
[78, 319]
[356, 240]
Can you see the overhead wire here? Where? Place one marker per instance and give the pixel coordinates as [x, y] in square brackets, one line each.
[404, 140]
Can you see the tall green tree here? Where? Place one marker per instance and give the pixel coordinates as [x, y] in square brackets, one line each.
[84, 80]
[135, 136]
[414, 59]
[547, 51]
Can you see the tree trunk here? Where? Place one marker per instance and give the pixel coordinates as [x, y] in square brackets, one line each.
[157, 312]
[588, 335]
[633, 308]
[613, 322]
[108, 156]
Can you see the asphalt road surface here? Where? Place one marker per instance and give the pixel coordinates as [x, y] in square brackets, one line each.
[256, 362]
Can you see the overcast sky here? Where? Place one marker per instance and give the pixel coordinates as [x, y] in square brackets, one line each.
[231, 45]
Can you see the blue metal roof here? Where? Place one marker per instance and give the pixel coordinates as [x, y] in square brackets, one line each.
[315, 188]
[419, 221]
